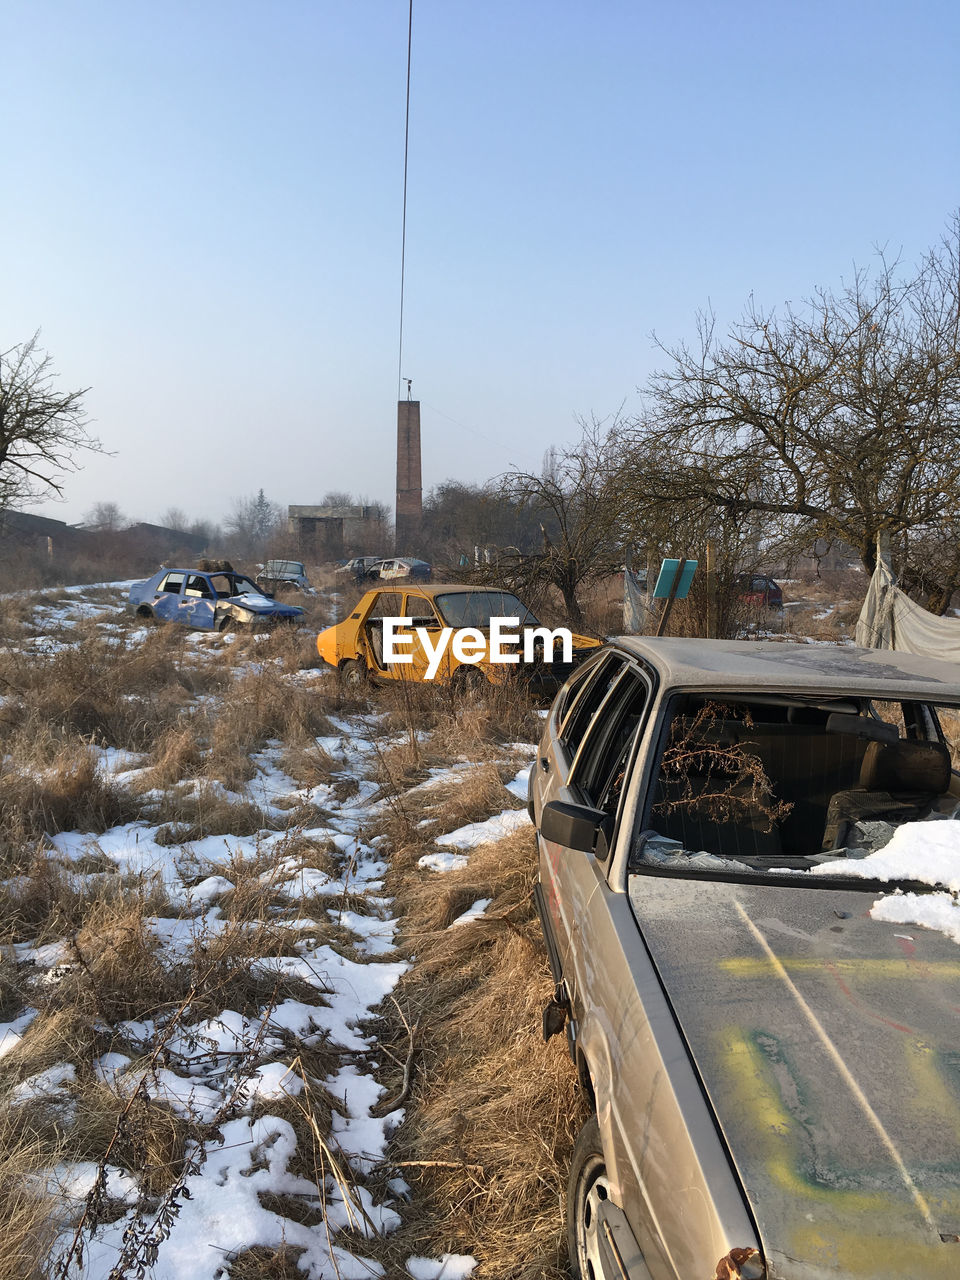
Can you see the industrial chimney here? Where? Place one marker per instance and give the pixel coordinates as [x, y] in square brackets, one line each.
[409, 482]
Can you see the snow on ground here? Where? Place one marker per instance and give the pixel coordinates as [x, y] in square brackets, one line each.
[226, 1071]
[477, 833]
[519, 786]
[451, 1266]
[203, 1082]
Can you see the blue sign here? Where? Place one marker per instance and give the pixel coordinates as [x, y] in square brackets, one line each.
[668, 571]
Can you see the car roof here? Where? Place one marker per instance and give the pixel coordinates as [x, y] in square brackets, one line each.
[765, 665]
[439, 588]
[234, 573]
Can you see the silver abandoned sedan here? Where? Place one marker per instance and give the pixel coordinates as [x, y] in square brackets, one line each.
[740, 846]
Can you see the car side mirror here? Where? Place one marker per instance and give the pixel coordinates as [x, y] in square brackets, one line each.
[575, 826]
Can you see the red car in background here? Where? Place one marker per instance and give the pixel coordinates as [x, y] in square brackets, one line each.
[758, 589]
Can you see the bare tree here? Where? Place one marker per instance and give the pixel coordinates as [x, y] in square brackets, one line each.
[839, 419]
[252, 523]
[105, 516]
[338, 498]
[175, 518]
[580, 508]
[41, 428]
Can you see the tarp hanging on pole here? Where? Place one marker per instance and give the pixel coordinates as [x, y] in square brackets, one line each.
[889, 619]
[636, 614]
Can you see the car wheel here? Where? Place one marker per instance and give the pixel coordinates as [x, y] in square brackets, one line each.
[587, 1189]
[146, 613]
[353, 674]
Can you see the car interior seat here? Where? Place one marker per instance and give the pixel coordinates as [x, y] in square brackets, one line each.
[899, 781]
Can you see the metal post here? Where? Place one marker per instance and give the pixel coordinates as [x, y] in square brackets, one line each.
[678, 574]
[713, 622]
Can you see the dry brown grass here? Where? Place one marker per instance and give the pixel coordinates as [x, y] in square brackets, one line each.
[263, 1263]
[48, 901]
[494, 1111]
[66, 793]
[101, 690]
[27, 1212]
[146, 698]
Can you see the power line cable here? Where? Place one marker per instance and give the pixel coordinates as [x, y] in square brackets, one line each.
[403, 233]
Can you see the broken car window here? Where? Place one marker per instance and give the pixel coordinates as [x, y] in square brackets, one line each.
[784, 784]
[227, 585]
[198, 587]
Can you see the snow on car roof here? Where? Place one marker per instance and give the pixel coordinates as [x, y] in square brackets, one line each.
[812, 668]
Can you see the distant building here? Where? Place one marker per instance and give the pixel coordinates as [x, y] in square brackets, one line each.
[159, 542]
[324, 533]
[39, 533]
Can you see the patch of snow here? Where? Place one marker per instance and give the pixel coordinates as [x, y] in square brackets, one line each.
[45, 1084]
[925, 851]
[939, 911]
[442, 861]
[449, 1266]
[472, 913]
[519, 786]
[11, 1033]
[222, 1215]
[477, 833]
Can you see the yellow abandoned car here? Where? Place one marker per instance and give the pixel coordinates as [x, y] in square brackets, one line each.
[450, 632]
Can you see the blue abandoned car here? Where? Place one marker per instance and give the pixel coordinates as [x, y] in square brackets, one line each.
[209, 601]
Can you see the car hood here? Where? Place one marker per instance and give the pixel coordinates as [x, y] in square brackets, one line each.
[828, 1045]
[263, 604]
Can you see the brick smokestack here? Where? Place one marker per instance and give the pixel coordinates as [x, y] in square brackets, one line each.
[409, 482]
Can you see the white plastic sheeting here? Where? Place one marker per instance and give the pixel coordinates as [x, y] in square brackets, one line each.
[636, 612]
[889, 619]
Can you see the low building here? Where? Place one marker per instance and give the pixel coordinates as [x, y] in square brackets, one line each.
[330, 533]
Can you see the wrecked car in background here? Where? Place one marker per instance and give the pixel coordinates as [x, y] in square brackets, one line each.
[283, 575]
[414, 570]
[208, 601]
[355, 646]
[359, 568]
[770, 1047]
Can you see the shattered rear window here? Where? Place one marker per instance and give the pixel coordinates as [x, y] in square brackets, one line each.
[786, 784]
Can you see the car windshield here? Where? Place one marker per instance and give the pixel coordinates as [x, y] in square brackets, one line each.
[781, 785]
[476, 608]
[234, 584]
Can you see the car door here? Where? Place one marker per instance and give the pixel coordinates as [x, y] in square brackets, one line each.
[198, 603]
[419, 609]
[166, 604]
[386, 604]
[564, 902]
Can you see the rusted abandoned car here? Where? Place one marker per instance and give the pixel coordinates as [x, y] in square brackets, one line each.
[356, 646]
[414, 570]
[283, 575]
[208, 601]
[768, 1036]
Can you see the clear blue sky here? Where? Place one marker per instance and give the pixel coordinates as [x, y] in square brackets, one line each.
[201, 211]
